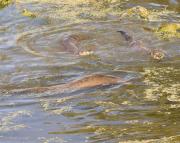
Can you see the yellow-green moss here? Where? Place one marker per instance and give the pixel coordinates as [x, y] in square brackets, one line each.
[101, 3]
[161, 82]
[76, 11]
[167, 31]
[4, 3]
[138, 11]
[79, 11]
[8, 121]
[3, 57]
[28, 13]
[141, 13]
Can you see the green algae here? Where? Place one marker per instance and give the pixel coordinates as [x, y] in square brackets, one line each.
[137, 12]
[52, 140]
[171, 139]
[168, 31]
[3, 57]
[4, 3]
[28, 13]
[161, 83]
[142, 13]
[8, 123]
[103, 130]
[81, 11]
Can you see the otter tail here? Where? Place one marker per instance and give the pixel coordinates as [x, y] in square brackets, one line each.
[29, 90]
[126, 36]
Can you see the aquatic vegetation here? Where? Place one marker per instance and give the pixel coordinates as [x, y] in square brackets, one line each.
[83, 10]
[48, 105]
[142, 13]
[103, 4]
[7, 123]
[28, 13]
[167, 31]
[171, 139]
[161, 83]
[138, 12]
[4, 3]
[52, 140]
[146, 109]
[88, 10]
[3, 57]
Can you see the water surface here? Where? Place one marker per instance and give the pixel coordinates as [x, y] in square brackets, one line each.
[147, 109]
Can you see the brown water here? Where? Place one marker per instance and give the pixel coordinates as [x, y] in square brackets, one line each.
[147, 109]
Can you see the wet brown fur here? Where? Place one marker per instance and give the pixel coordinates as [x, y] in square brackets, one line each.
[138, 45]
[85, 82]
[71, 43]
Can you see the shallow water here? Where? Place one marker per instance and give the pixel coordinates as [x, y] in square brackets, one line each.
[146, 109]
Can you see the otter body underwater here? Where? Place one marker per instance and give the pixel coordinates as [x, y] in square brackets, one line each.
[89, 81]
[156, 54]
[71, 44]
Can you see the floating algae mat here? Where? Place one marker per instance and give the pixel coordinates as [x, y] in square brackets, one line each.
[89, 10]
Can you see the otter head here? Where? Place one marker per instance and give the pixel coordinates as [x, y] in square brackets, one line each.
[157, 54]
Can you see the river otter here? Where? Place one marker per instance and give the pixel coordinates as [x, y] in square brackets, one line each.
[156, 54]
[71, 44]
[85, 82]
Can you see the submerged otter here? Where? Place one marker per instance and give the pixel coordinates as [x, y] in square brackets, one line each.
[72, 42]
[85, 82]
[156, 54]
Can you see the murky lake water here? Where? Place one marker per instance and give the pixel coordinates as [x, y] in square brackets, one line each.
[146, 109]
